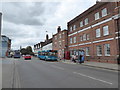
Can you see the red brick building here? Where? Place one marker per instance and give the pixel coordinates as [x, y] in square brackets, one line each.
[60, 42]
[96, 32]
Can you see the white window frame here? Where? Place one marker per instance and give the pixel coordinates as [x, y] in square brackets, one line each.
[81, 24]
[98, 32]
[74, 40]
[105, 30]
[71, 29]
[81, 38]
[59, 35]
[60, 44]
[84, 37]
[71, 40]
[74, 27]
[88, 36]
[99, 52]
[55, 37]
[104, 12]
[97, 16]
[87, 51]
[86, 21]
[106, 49]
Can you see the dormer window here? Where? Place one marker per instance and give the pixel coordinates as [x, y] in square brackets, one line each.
[86, 21]
[104, 12]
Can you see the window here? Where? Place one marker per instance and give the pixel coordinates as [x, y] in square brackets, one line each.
[74, 39]
[81, 23]
[98, 33]
[55, 37]
[99, 50]
[70, 29]
[60, 44]
[74, 27]
[55, 44]
[107, 49]
[86, 21]
[104, 12]
[87, 51]
[105, 30]
[81, 38]
[97, 16]
[71, 40]
[88, 37]
[59, 35]
[84, 37]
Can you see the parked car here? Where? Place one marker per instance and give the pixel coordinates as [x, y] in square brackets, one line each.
[17, 54]
[27, 57]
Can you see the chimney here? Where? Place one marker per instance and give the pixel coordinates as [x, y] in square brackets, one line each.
[58, 29]
[97, 1]
[47, 37]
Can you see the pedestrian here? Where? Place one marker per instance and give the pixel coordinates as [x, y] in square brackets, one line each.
[82, 56]
[73, 58]
[79, 56]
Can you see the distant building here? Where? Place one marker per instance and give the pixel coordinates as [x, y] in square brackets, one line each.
[96, 32]
[46, 45]
[6, 46]
[60, 42]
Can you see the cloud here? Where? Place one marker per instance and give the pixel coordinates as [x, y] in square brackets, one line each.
[23, 13]
[26, 23]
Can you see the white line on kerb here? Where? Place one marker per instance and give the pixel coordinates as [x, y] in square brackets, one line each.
[57, 67]
[92, 78]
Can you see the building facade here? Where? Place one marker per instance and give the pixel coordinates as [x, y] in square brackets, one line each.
[60, 42]
[0, 22]
[6, 46]
[96, 32]
[0, 35]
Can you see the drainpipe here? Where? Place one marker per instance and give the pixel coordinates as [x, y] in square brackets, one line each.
[118, 27]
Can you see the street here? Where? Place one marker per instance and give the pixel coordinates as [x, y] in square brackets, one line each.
[35, 73]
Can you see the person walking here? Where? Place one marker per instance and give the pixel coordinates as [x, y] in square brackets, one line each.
[73, 58]
[82, 56]
[79, 56]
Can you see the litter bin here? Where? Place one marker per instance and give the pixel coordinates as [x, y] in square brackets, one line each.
[118, 60]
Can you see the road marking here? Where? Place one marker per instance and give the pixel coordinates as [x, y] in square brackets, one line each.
[57, 67]
[93, 78]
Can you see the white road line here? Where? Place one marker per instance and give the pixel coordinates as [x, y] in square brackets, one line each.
[93, 78]
[57, 67]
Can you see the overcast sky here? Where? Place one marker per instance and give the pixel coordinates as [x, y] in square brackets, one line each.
[26, 23]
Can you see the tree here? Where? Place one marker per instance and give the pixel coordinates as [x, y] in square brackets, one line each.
[23, 51]
[27, 50]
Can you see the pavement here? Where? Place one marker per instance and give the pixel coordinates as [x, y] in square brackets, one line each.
[96, 64]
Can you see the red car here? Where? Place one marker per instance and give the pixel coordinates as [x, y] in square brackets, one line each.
[26, 57]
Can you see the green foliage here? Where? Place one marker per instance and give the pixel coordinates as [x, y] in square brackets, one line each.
[27, 50]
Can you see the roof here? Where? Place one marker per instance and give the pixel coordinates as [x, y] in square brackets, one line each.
[89, 10]
[60, 32]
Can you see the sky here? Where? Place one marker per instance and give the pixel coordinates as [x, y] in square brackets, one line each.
[26, 22]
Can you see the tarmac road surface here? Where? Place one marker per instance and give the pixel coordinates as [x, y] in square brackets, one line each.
[35, 73]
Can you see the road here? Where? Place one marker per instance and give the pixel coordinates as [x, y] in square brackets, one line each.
[35, 73]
